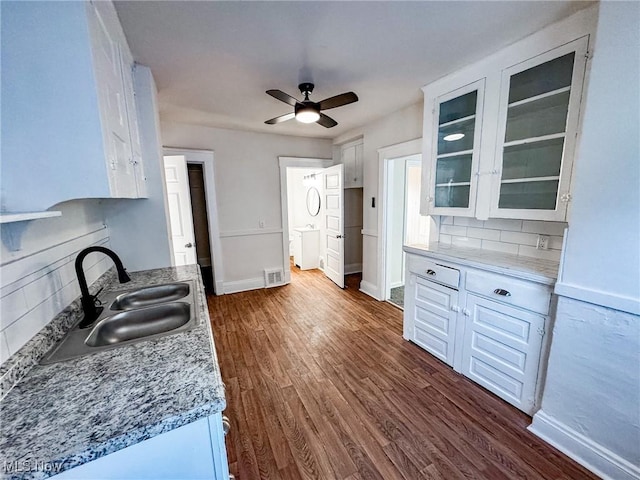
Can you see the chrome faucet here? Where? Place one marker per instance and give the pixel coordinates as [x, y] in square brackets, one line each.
[91, 311]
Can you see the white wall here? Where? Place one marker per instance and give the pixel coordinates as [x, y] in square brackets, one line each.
[591, 401]
[139, 228]
[400, 126]
[39, 280]
[248, 191]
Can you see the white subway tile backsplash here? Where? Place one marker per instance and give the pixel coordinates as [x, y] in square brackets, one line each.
[483, 233]
[527, 251]
[500, 247]
[544, 228]
[12, 307]
[467, 222]
[466, 242]
[555, 243]
[503, 224]
[519, 238]
[454, 230]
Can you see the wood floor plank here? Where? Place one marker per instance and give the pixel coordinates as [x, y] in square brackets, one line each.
[321, 385]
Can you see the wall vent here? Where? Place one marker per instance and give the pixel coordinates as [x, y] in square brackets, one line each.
[273, 277]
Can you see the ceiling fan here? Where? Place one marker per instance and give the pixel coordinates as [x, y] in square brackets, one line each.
[307, 111]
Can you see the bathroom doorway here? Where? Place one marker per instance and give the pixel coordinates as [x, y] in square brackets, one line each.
[189, 176]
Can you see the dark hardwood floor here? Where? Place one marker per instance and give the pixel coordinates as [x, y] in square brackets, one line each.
[321, 384]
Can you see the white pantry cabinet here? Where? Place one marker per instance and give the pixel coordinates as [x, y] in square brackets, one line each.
[69, 117]
[502, 144]
[488, 326]
[195, 451]
[352, 157]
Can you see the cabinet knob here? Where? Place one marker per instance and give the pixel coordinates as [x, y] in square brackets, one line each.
[226, 424]
[466, 312]
[431, 272]
[501, 292]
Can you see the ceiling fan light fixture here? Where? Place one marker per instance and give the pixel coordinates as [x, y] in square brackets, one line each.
[307, 115]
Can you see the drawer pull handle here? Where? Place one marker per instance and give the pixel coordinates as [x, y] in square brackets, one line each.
[431, 272]
[226, 425]
[500, 291]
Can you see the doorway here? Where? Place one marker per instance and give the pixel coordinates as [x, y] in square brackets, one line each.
[189, 177]
[399, 219]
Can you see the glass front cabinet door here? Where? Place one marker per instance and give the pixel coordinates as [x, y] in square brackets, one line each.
[455, 147]
[537, 126]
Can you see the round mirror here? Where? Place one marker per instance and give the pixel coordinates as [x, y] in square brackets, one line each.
[313, 201]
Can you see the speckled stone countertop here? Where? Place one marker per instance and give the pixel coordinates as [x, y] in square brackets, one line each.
[529, 268]
[73, 412]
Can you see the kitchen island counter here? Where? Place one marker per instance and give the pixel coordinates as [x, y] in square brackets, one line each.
[63, 415]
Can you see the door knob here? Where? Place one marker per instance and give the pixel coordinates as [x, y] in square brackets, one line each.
[189, 245]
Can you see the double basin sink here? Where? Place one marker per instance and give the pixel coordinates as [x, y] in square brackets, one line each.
[130, 316]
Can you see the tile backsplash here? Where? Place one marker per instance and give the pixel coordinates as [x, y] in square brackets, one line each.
[39, 285]
[518, 237]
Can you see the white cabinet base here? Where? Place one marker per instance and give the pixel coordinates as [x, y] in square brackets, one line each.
[192, 452]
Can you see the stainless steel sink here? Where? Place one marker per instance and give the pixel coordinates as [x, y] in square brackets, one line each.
[131, 316]
[151, 295]
[134, 324]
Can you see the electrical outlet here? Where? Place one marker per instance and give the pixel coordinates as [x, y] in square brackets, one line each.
[261, 223]
[543, 242]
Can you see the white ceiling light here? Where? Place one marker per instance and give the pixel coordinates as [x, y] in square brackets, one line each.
[453, 137]
[307, 115]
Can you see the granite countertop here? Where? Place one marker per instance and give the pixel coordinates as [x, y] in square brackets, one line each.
[73, 412]
[529, 268]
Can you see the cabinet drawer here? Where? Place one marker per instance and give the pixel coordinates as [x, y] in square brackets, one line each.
[521, 293]
[433, 271]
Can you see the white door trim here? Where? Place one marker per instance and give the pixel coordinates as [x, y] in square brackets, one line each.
[206, 158]
[398, 150]
[285, 162]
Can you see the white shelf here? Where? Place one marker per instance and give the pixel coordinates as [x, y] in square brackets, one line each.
[540, 97]
[9, 217]
[454, 154]
[530, 180]
[458, 184]
[526, 141]
[457, 120]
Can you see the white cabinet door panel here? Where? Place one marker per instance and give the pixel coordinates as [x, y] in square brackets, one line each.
[501, 350]
[434, 322]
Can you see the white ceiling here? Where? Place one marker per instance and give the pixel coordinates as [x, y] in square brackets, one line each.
[213, 61]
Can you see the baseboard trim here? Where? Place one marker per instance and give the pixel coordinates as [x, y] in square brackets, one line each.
[352, 268]
[370, 289]
[243, 285]
[583, 450]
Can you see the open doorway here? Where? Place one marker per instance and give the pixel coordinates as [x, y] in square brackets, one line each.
[189, 178]
[404, 223]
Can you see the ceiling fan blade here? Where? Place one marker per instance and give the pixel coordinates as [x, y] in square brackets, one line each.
[283, 97]
[280, 119]
[338, 100]
[326, 121]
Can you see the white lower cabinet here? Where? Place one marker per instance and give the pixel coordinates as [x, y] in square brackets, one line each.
[501, 349]
[434, 316]
[487, 326]
[193, 451]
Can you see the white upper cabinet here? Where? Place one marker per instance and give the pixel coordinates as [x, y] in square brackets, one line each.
[351, 155]
[455, 150]
[501, 145]
[68, 116]
[538, 124]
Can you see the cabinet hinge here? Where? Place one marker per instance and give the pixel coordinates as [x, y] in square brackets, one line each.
[588, 55]
[541, 331]
[565, 197]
